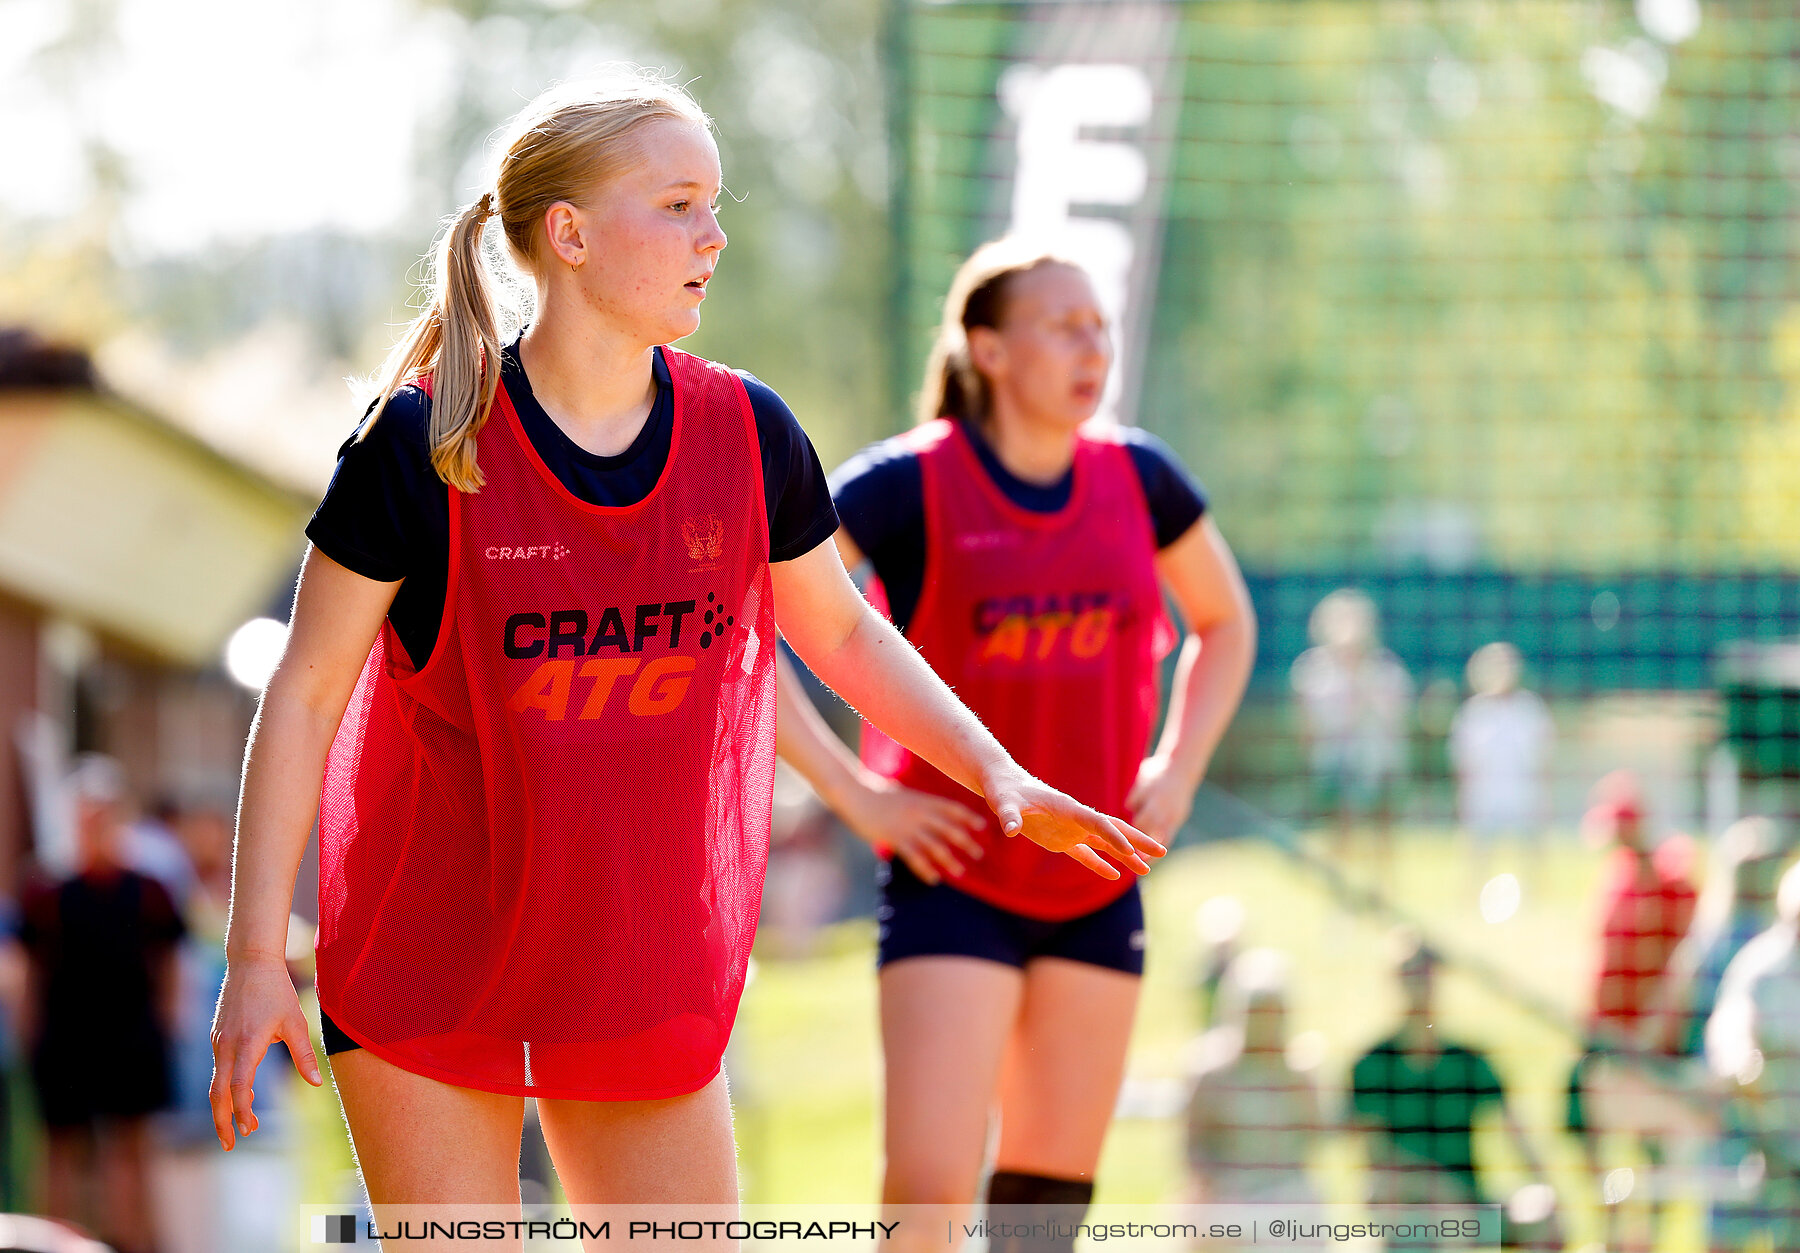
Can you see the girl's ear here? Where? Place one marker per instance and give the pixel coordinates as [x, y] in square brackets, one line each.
[987, 353]
[562, 228]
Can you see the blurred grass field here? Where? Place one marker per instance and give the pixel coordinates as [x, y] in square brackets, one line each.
[804, 1064]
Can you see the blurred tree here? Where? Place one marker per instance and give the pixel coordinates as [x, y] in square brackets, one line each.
[795, 90]
[1505, 287]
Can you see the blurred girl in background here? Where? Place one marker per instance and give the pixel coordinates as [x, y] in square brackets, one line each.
[1024, 550]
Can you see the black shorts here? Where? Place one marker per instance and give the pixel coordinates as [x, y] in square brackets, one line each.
[920, 920]
[335, 1040]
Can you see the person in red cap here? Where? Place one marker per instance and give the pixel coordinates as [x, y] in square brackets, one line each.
[1647, 904]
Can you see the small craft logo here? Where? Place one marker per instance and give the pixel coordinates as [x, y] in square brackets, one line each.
[527, 552]
[334, 1228]
[704, 537]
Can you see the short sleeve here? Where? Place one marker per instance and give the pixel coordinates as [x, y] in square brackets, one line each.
[376, 514]
[795, 491]
[1176, 501]
[880, 494]
[1484, 1084]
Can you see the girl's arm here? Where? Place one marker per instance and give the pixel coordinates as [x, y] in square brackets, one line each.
[862, 658]
[336, 615]
[1202, 578]
[926, 832]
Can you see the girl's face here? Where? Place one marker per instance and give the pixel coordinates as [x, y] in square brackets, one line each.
[1048, 359]
[651, 237]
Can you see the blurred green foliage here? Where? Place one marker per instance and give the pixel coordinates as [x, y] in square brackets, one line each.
[796, 91]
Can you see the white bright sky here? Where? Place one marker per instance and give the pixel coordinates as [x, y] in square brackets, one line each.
[237, 119]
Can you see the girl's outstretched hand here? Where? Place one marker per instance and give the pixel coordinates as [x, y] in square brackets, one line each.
[1063, 824]
[257, 1006]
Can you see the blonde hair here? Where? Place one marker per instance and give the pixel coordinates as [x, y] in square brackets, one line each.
[954, 388]
[560, 147]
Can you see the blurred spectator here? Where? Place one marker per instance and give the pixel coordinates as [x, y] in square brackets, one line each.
[1737, 905]
[204, 829]
[204, 832]
[1417, 1095]
[1220, 924]
[153, 847]
[102, 972]
[1254, 1117]
[13, 979]
[1647, 904]
[1753, 1045]
[1500, 746]
[1355, 707]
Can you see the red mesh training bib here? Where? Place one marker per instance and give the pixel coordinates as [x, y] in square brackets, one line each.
[542, 854]
[1049, 627]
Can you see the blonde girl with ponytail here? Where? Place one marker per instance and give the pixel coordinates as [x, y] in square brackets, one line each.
[531, 659]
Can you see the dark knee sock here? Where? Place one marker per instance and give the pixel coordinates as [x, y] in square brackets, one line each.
[1041, 1213]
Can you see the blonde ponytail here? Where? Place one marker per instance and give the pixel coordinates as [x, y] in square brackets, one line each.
[456, 341]
[561, 146]
[953, 387]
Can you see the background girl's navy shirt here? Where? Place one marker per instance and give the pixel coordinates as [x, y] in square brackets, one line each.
[386, 515]
[880, 495]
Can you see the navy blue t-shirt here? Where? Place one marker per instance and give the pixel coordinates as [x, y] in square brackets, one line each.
[880, 495]
[386, 515]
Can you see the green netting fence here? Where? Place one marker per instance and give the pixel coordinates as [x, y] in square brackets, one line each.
[1490, 313]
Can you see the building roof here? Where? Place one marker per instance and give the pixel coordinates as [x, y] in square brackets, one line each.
[113, 516]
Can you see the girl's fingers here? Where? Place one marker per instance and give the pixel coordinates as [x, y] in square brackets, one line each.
[1114, 839]
[952, 834]
[1138, 840]
[1153, 821]
[219, 1097]
[973, 822]
[1134, 799]
[299, 1046]
[920, 866]
[945, 859]
[1092, 860]
[243, 1096]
